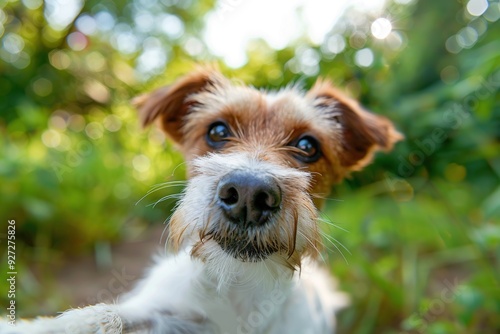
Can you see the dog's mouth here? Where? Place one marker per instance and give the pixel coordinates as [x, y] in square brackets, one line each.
[243, 247]
[246, 251]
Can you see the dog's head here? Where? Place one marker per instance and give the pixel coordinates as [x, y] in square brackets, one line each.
[260, 162]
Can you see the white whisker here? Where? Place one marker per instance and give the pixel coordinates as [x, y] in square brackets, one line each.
[160, 186]
[333, 242]
[329, 222]
[165, 198]
[312, 245]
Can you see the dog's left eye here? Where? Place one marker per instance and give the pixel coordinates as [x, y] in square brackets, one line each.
[310, 148]
[217, 134]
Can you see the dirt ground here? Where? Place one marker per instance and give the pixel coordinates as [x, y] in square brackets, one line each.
[83, 282]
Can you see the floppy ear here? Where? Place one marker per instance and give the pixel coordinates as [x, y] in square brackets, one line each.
[171, 104]
[363, 133]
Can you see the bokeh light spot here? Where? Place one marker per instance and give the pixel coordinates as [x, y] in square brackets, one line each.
[395, 40]
[141, 163]
[492, 14]
[59, 59]
[125, 41]
[112, 123]
[13, 43]
[467, 37]
[335, 44]
[381, 28]
[193, 46]
[60, 13]
[42, 87]
[309, 61]
[97, 91]
[144, 21]
[452, 45]
[480, 25]
[94, 130]
[153, 58]
[357, 40]
[95, 61]
[76, 123]
[477, 7]
[364, 57]
[105, 21]
[51, 138]
[77, 41]
[58, 120]
[86, 24]
[172, 26]
[19, 61]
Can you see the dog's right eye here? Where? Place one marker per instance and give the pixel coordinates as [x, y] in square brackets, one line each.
[217, 134]
[310, 149]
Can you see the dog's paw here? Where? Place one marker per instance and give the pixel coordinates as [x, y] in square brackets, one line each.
[96, 319]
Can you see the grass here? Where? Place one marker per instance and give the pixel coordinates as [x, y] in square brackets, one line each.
[417, 264]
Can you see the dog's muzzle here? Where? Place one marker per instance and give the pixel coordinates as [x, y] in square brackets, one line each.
[251, 208]
[248, 200]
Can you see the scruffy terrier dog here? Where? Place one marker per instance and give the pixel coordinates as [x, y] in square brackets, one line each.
[245, 234]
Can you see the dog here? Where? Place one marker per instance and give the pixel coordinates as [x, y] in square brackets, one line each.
[244, 237]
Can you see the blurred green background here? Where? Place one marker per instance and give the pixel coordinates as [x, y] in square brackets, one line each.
[418, 240]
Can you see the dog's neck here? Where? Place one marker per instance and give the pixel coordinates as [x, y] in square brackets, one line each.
[227, 275]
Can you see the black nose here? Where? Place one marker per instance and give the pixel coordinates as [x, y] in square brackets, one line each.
[247, 199]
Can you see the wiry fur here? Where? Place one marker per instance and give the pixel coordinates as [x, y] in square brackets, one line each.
[221, 277]
[290, 235]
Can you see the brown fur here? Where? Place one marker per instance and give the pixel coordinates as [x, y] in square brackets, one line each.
[185, 116]
[265, 127]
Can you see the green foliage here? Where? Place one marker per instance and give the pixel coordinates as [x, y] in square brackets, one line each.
[418, 230]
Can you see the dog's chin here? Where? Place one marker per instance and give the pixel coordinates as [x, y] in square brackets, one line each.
[242, 247]
[245, 251]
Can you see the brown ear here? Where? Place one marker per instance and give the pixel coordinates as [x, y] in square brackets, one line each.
[171, 104]
[363, 133]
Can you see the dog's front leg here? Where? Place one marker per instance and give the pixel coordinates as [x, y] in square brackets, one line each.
[100, 318]
[105, 319]
[166, 301]
[163, 302]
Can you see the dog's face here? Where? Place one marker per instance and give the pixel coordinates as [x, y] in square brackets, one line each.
[260, 163]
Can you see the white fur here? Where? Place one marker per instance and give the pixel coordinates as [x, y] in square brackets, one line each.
[217, 293]
[179, 285]
[265, 304]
